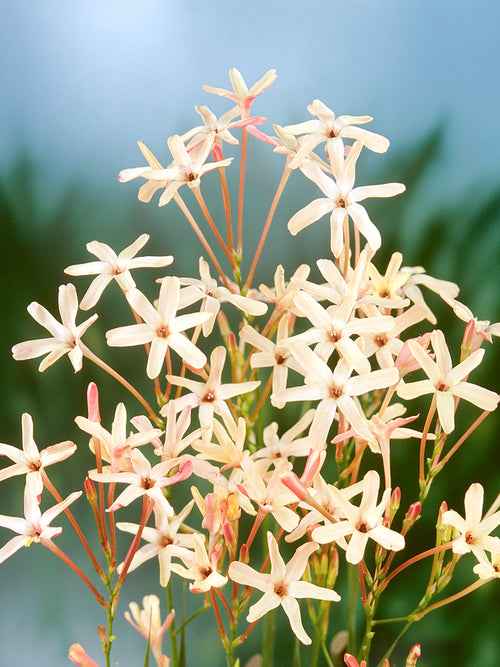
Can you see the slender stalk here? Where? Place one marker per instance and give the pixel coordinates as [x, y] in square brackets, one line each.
[227, 207]
[51, 488]
[411, 561]
[461, 440]
[352, 603]
[423, 441]
[55, 550]
[173, 631]
[241, 189]
[180, 203]
[451, 598]
[209, 219]
[102, 364]
[284, 177]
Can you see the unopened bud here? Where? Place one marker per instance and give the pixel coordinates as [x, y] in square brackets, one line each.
[413, 656]
[78, 655]
[394, 503]
[93, 403]
[292, 482]
[244, 554]
[90, 492]
[411, 516]
[313, 465]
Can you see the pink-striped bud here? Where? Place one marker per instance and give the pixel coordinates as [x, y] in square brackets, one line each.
[413, 656]
[313, 465]
[292, 482]
[78, 655]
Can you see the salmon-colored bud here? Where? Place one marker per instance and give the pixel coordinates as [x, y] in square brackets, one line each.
[413, 656]
[313, 465]
[413, 512]
[223, 323]
[292, 482]
[103, 635]
[90, 491]
[351, 661]
[405, 361]
[93, 402]
[394, 503]
[78, 655]
[244, 554]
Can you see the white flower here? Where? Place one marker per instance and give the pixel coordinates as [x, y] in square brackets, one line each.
[361, 522]
[147, 621]
[66, 336]
[30, 461]
[161, 327]
[282, 586]
[113, 267]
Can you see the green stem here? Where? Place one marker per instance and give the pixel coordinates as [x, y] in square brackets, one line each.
[352, 603]
[268, 639]
[173, 631]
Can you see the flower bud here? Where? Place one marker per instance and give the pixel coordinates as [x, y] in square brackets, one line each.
[413, 655]
[78, 655]
[93, 402]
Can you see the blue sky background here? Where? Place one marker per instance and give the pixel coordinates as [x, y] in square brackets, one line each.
[82, 81]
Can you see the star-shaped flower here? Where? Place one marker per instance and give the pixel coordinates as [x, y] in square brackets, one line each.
[241, 94]
[113, 267]
[30, 461]
[282, 586]
[162, 328]
[66, 335]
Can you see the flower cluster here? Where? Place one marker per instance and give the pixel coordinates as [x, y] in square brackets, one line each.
[336, 354]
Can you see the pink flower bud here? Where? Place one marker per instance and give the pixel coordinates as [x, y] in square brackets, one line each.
[292, 482]
[93, 402]
[413, 655]
[313, 465]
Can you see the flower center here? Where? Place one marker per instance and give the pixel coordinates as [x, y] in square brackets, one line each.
[163, 331]
[209, 397]
[381, 340]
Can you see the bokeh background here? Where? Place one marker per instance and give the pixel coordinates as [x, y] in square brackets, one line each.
[81, 82]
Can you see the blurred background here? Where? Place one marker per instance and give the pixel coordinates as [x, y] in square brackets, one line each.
[81, 82]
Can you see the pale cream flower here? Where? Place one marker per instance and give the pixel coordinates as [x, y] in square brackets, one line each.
[446, 382]
[113, 267]
[474, 530]
[282, 586]
[66, 336]
[200, 567]
[362, 522]
[241, 94]
[210, 397]
[35, 526]
[30, 461]
[162, 328]
[341, 200]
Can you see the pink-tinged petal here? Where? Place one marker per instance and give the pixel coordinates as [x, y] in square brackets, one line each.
[13, 545]
[95, 290]
[127, 496]
[383, 190]
[443, 358]
[143, 307]
[17, 524]
[387, 538]
[278, 568]
[337, 230]
[292, 610]
[29, 446]
[445, 405]
[371, 485]
[298, 563]
[54, 511]
[346, 177]
[183, 322]
[309, 214]
[415, 389]
[473, 503]
[479, 396]
[246, 576]
[332, 532]
[187, 351]
[463, 369]
[48, 321]
[365, 226]
[270, 600]
[379, 379]
[150, 262]
[303, 589]
[31, 349]
[356, 548]
[78, 655]
[58, 452]
[133, 334]
[68, 304]
[354, 416]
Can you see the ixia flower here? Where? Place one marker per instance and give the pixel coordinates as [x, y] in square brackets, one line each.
[282, 586]
[474, 530]
[361, 522]
[147, 621]
[30, 461]
[35, 526]
[66, 335]
[341, 200]
[446, 382]
[113, 267]
[162, 328]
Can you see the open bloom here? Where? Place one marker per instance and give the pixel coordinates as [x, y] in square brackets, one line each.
[162, 328]
[113, 267]
[65, 334]
[341, 200]
[361, 522]
[35, 526]
[30, 461]
[474, 530]
[446, 382]
[241, 94]
[282, 586]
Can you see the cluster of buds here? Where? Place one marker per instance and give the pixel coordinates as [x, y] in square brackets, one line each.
[332, 353]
